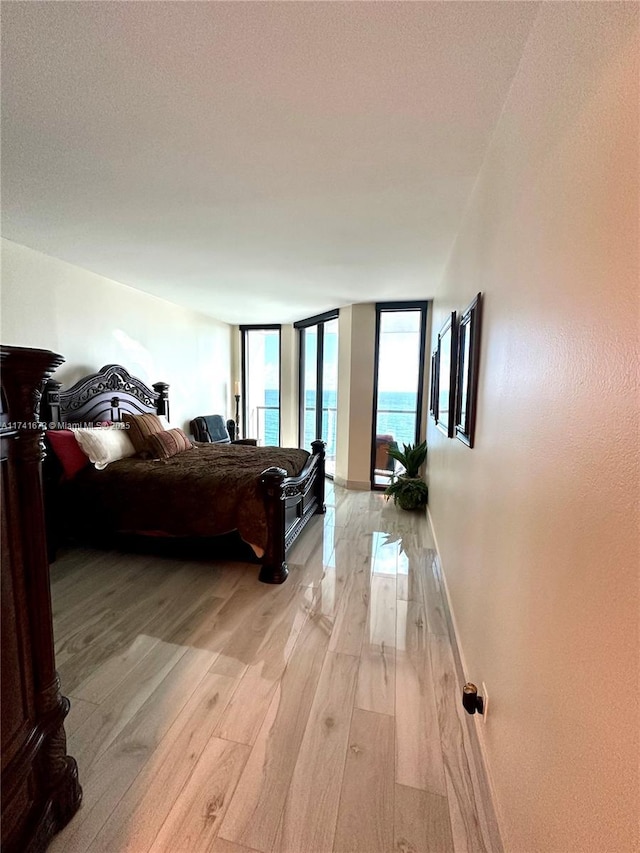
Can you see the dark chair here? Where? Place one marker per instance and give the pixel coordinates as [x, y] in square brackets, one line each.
[384, 462]
[213, 429]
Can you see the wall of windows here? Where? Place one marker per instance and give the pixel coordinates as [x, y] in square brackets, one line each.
[398, 383]
[319, 382]
[395, 385]
[261, 384]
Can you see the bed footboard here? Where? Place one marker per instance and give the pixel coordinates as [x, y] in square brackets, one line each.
[290, 502]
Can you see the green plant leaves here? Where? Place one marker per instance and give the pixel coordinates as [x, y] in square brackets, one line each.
[408, 490]
[412, 457]
[408, 493]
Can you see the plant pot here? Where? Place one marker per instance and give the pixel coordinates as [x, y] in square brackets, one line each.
[409, 493]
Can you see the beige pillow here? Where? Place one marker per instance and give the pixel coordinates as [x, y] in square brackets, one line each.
[104, 444]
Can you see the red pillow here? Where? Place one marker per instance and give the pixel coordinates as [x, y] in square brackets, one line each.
[67, 450]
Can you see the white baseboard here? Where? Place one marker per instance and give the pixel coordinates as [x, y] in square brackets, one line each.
[459, 651]
[356, 485]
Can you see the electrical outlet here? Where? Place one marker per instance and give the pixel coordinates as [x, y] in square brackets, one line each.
[485, 698]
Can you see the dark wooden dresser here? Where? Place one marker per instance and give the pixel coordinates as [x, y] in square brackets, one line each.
[40, 790]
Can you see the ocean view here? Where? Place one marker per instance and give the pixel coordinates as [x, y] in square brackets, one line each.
[396, 417]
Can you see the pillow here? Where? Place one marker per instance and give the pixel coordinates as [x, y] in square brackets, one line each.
[105, 444]
[140, 427]
[67, 451]
[168, 443]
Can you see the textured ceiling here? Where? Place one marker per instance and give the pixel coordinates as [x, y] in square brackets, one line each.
[260, 162]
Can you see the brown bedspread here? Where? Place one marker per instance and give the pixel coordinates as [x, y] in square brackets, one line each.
[210, 490]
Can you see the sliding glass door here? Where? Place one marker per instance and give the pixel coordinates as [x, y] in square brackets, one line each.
[319, 383]
[398, 383]
[261, 383]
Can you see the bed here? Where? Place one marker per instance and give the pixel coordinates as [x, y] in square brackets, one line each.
[267, 494]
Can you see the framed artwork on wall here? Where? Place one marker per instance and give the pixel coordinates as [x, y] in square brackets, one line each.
[467, 371]
[433, 389]
[444, 375]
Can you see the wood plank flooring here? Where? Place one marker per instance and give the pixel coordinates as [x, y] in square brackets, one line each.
[210, 712]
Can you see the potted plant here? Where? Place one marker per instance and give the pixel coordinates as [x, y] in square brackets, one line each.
[408, 489]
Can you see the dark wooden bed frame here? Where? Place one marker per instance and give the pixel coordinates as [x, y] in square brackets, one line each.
[289, 502]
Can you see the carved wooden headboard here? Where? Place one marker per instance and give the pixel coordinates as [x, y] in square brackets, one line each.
[103, 396]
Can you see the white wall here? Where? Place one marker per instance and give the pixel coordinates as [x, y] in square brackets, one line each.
[537, 526]
[289, 414]
[93, 321]
[356, 350]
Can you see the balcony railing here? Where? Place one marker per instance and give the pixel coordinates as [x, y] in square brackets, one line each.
[329, 414]
[260, 426]
[265, 427]
[400, 423]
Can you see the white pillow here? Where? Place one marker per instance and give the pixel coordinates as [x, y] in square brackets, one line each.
[104, 444]
[165, 423]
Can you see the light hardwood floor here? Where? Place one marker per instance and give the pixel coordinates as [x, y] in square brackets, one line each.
[210, 712]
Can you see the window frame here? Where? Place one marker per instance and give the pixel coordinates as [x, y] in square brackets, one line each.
[383, 307]
[302, 325]
[259, 327]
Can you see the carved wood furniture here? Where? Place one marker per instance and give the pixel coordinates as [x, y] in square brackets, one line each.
[40, 790]
[289, 502]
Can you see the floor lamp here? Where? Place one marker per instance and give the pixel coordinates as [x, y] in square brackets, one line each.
[237, 396]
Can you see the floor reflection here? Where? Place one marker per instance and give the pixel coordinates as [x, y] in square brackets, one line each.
[196, 689]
